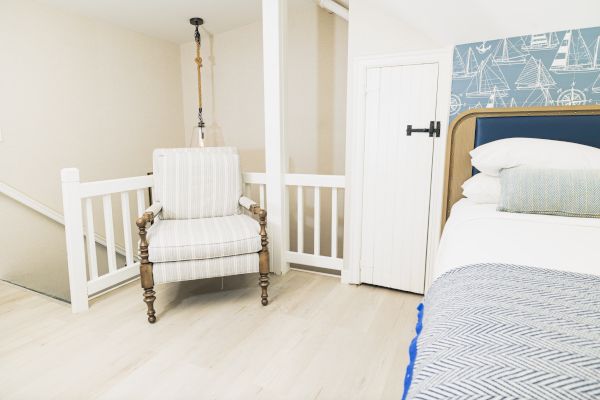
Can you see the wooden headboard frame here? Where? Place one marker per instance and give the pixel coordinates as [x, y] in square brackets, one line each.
[461, 138]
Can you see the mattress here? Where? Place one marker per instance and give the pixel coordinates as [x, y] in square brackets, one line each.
[477, 233]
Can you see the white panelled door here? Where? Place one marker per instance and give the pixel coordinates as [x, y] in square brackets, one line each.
[397, 174]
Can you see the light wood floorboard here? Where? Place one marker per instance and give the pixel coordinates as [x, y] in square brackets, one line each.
[318, 339]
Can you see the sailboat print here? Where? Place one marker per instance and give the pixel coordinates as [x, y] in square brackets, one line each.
[471, 67]
[534, 76]
[573, 55]
[462, 70]
[507, 53]
[489, 78]
[596, 85]
[482, 48]
[597, 53]
[495, 99]
[458, 65]
[539, 97]
[541, 41]
[556, 68]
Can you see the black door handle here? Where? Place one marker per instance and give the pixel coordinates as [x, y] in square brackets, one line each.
[433, 130]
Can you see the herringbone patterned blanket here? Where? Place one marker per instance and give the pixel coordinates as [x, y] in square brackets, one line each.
[494, 331]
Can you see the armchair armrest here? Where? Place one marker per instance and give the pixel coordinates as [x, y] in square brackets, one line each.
[247, 203]
[253, 207]
[149, 214]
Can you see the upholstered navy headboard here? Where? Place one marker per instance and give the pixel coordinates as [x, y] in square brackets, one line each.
[578, 124]
[582, 129]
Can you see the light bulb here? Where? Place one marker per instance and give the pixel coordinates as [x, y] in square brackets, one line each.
[196, 139]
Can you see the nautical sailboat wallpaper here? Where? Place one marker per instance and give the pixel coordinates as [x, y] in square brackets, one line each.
[545, 69]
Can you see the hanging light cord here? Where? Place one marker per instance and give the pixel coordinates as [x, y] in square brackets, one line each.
[198, 61]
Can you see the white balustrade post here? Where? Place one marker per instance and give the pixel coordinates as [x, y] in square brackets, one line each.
[74, 237]
[273, 23]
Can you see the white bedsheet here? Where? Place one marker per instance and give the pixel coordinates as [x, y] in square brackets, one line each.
[477, 233]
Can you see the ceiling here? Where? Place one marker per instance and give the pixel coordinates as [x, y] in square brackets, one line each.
[463, 21]
[166, 19]
[444, 22]
[169, 19]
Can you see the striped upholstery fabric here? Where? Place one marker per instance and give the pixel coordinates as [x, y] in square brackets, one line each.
[571, 193]
[197, 239]
[197, 183]
[177, 271]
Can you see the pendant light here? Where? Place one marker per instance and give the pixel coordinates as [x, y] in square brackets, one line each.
[197, 139]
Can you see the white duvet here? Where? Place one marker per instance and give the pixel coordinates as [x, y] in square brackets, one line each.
[477, 233]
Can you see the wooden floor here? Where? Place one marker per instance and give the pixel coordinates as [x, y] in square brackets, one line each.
[318, 339]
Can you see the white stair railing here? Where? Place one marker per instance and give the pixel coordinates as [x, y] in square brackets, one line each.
[318, 183]
[84, 277]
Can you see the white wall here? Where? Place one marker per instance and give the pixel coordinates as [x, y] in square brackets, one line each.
[74, 92]
[374, 30]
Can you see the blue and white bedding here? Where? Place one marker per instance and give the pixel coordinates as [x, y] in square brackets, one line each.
[500, 331]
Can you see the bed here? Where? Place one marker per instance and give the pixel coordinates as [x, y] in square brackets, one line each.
[514, 308]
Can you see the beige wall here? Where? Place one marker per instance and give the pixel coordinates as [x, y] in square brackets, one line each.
[316, 62]
[315, 97]
[233, 91]
[315, 112]
[74, 92]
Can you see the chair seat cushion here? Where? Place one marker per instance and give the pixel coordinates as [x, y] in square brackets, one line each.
[199, 239]
[177, 271]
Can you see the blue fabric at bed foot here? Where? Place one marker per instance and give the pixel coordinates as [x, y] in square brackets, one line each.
[412, 351]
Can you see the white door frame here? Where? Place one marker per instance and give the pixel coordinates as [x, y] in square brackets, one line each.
[355, 154]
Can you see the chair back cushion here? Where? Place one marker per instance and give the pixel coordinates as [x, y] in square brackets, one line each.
[197, 182]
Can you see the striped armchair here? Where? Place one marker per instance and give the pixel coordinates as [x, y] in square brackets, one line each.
[198, 228]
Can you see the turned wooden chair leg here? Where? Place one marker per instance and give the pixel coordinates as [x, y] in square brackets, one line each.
[149, 293]
[263, 255]
[146, 276]
[264, 283]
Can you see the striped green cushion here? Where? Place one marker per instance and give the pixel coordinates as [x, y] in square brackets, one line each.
[571, 193]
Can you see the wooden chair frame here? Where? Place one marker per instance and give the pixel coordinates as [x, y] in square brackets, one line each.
[147, 279]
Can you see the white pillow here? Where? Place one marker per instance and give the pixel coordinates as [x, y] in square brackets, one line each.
[491, 157]
[482, 188]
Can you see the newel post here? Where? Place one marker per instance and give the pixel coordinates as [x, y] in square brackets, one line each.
[273, 23]
[74, 239]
